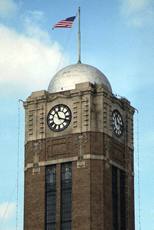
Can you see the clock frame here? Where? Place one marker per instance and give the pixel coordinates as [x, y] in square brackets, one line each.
[59, 117]
[117, 123]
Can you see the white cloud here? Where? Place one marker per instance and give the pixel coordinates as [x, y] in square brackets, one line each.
[7, 210]
[138, 12]
[35, 15]
[7, 8]
[32, 22]
[131, 6]
[27, 62]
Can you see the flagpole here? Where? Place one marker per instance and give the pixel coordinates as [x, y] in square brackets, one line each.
[79, 37]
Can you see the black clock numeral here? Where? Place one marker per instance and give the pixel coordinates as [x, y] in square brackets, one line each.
[64, 123]
[61, 126]
[53, 125]
[61, 109]
[67, 113]
[67, 117]
[50, 121]
[50, 116]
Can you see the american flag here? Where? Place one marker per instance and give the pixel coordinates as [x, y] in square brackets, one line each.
[66, 23]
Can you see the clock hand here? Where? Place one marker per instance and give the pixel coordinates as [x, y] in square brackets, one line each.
[60, 118]
[57, 115]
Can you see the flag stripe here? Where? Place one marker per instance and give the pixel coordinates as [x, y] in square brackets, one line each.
[66, 23]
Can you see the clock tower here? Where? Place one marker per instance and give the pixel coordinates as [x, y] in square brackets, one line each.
[79, 171]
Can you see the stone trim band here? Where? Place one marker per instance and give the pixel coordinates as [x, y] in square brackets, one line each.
[71, 159]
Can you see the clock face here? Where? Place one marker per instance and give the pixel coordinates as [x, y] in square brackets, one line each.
[117, 123]
[59, 118]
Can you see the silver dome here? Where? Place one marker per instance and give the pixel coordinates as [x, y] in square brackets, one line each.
[68, 77]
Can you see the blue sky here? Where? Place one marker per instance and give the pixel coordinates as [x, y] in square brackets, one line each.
[117, 37]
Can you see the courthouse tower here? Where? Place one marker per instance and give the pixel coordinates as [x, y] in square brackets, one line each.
[78, 154]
